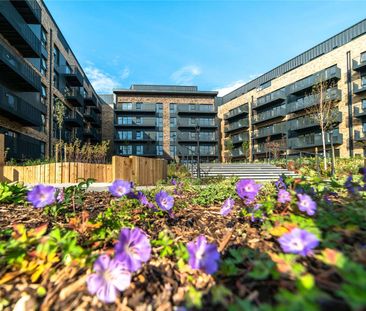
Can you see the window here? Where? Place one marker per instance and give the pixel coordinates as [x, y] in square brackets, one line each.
[173, 108]
[173, 121]
[42, 128]
[138, 120]
[363, 57]
[126, 120]
[124, 135]
[56, 55]
[44, 38]
[173, 151]
[56, 79]
[43, 66]
[125, 150]
[159, 150]
[160, 136]
[43, 95]
[363, 81]
[138, 135]
[364, 104]
[139, 149]
[127, 106]
[173, 136]
[192, 107]
[159, 122]
[138, 106]
[364, 127]
[10, 99]
[159, 108]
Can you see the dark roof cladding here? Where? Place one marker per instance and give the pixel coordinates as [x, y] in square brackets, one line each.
[165, 89]
[326, 46]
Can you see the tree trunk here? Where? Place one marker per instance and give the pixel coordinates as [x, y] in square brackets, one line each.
[324, 150]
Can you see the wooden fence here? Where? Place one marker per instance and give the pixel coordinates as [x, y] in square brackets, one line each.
[140, 170]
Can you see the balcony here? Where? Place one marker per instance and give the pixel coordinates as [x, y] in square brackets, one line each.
[197, 109]
[360, 136]
[72, 75]
[97, 122]
[192, 137]
[269, 114]
[14, 28]
[333, 94]
[74, 119]
[135, 107]
[90, 115]
[241, 110]
[360, 111]
[188, 122]
[74, 97]
[307, 122]
[306, 83]
[313, 140]
[14, 70]
[271, 98]
[91, 100]
[18, 109]
[29, 10]
[137, 122]
[240, 138]
[359, 89]
[23, 147]
[128, 150]
[276, 129]
[359, 63]
[146, 137]
[187, 151]
[244, 123]
[237, 152]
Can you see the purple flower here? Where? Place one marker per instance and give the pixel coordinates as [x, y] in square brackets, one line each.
[227, 206]
[283, 196]
[298, 242]
[306, 204]
[280, 184]
[349, 185]
[203, 256]
[133, 248]
[174, 182]
[255, 208]
[144, 201]
[110, 276]
[247, 189]
[60, 196]
[164, 200]
[41, 196]
[120, 188]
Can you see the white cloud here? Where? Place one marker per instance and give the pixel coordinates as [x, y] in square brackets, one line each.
[186, 74]
[230, 87]
[234, 85]
[101, 81]
[125, 73]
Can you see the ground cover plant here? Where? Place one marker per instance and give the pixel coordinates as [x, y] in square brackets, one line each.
[296, 244]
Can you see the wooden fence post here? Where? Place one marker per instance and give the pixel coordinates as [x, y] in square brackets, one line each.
[2, 156]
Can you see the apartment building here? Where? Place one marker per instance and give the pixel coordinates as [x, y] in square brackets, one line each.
[174, 122]
[271, 114]
[38, 69]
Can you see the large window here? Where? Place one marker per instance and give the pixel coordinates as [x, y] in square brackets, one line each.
[56, 55]
[44, 38]
[43, 95]
[159, 150]
[159, 122]
[126, 120]
[173, 121]
[43, 66]
[127, 106]
[139, 150]
[159, 108]
[125, 135]
[125, 149]
[173, 108]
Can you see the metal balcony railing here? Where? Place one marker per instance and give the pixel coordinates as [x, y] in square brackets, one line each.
[236, 112]
[313, 140]
[269, 114]
[270, 98]
[359, 63]
[360, 111]
[73, 75]
[358, 89]
[237, 125]
[17, 32]
[196, 108]
[275, 129]
[193, 137]
[240, 138]
[74, 119]
[29, 10]
[74, 97]
[135, 107]
[136, 122]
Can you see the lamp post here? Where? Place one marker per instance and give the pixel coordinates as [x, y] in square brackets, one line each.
[198, 129]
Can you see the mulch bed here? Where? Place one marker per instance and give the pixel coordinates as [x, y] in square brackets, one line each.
[159, 285]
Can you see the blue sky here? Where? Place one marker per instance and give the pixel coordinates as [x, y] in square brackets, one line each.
[217, 45]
